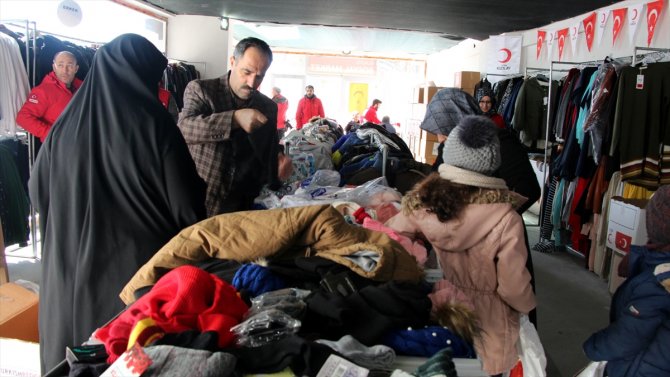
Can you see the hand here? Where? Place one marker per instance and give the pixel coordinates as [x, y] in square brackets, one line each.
[285, 167]
[249, 119]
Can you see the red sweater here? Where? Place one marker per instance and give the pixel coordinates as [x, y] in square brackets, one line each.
[45, 103]
[308, 108]
[371, 116]
[282, 106]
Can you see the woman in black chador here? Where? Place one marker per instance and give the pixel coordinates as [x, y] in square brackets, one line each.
[113, 182]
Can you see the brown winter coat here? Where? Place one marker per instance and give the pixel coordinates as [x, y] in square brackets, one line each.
[483, 253]
[278, 233]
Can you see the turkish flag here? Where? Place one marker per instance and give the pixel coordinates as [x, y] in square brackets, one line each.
[622, 241]
[619, 15]
[562, 35]
[589, 27]
[653, 12]
[541, 35]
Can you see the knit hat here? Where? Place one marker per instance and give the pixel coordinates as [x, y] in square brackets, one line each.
[446, 109]
[473, 145]
[658, 228]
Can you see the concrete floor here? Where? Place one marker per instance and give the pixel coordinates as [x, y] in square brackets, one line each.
[572, 301]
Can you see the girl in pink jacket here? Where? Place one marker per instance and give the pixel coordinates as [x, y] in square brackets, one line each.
[469, 218]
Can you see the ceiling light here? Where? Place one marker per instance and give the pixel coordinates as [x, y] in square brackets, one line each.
[224, 23]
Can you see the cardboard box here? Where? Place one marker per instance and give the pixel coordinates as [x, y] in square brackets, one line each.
[423, 94]
[466, 80]
[428, 136]
[626, 223]
[18, 313]
[428, 151]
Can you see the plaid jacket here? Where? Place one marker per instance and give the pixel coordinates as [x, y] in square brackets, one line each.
[235, 165]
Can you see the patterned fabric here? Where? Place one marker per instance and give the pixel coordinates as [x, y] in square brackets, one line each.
[234, 164]
[446, 109]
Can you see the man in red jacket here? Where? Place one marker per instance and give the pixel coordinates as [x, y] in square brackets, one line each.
[371, 114]
[48, 100]
[308, 107]
[282, 106]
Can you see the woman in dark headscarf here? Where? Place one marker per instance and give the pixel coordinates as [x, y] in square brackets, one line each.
[113, 183]
[487, 104]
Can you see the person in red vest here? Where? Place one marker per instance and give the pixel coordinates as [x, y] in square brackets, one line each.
[48, 100]
[371, 114]
[282, 106]
[308, 107]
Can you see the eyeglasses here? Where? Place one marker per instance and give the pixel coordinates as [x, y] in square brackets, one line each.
[486, 102]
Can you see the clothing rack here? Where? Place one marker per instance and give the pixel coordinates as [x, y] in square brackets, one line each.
[650, 50]
[30, 35]
[204, 64]
[549, 99]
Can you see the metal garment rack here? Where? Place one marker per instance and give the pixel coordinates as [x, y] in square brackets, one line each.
[551, 71]
[204, 64]
[650, 50]
[30, 34]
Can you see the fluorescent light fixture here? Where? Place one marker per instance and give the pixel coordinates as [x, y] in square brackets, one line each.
[224, 23]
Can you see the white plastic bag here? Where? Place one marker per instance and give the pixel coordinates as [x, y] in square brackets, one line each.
[593, 369]
[531, 352]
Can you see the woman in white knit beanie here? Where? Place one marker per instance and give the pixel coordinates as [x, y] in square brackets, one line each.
[469, 218]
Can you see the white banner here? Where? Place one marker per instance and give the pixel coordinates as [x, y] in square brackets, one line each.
[603, 15]
[574, 36]
[634, 16]
[504, 55]
[551, 36]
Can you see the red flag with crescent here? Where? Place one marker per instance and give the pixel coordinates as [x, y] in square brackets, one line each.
[589, 28]
[619, 15]
[541, 35]
[562, 35]
[653, 12]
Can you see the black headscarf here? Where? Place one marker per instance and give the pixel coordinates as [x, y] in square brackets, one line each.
[487, 92]
[113, 182]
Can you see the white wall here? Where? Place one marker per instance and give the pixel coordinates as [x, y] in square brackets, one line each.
[199, 39]
[465, 57]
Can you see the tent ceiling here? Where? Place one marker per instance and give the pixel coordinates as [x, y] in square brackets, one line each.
[441, 22]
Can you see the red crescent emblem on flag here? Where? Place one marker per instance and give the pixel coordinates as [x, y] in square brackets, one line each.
[652, 22]
[634, 14]
[508, 55]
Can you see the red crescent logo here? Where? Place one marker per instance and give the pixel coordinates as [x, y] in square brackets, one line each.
[634, 14]
[617, 20]
[574, 31]
[603, 20]
[508, 55]
[651, 22]
[589, 33]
